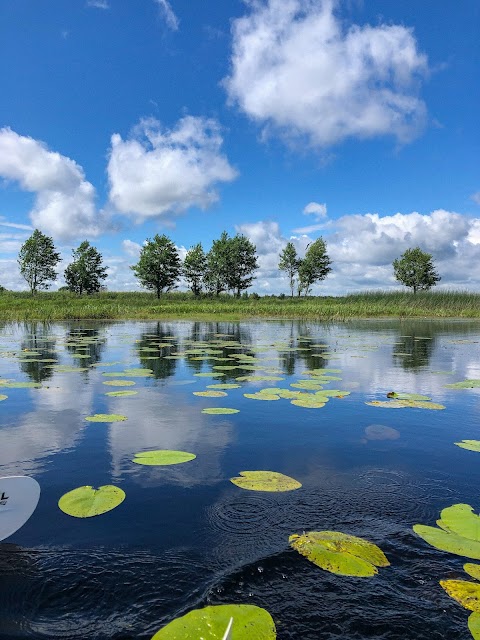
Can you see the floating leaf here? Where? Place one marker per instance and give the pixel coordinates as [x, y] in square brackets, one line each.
[464, 592]
[460, 519]
[332, 393]
[265, 481]
[210, 374]
[258, 378]
[312, 402]
[471, 445]
[3, 397]
[121, 394]
[381, 432]
[472, 570]
[21, 385]
[261, 396]
[340, 553]
[210, 394]
[119, 383]
[162, 457]
[406, 396]
[474, 625]
[465, 384]
[306, 384]
[402, 404]
[459, 532]
[106, 417]
[65, 368]
[222, 385]
[220, 411]
[86, 501]
[210, 623]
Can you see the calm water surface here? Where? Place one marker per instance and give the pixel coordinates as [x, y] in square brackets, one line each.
[185, 536]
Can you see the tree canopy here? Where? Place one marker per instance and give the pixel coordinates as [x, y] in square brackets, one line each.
[194, 268]
[314, 267]
[415, 269]
[85, 272]
[37, 260]
[159, 265]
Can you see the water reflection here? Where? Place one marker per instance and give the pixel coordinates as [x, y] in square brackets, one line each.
[38, 351]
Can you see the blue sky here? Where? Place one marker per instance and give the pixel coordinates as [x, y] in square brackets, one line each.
[355, 120]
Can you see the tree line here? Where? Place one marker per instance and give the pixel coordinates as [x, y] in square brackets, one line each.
[229, 266]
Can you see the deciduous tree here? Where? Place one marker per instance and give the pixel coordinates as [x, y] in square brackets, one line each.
[194, 268]
[314, 267]
[159, 265]
[85, 273]
[289, 262]
[242, 263]
[415, 269]
[37, 261]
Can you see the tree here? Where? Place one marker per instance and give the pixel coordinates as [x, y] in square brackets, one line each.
[242, 262]
[289, 262]
[37, 261]
[415, 269]
[216, 276]
[84, 273]
[159, 265]
[314, 267]
[194, 268]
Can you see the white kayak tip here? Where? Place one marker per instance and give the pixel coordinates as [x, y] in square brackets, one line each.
[228, 635]
[19, 497]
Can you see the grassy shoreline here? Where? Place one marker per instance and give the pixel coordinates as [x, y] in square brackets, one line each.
[49, 306]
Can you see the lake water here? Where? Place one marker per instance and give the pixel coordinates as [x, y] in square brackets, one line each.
[185, 536]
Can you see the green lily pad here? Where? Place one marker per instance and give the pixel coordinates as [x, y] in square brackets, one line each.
[261, 396]
[307, 384]
[220, 411]
[211, 623]
[402, 404]
[21, 385]
[459, 531]
[106, 417]
[464, 592]
[472, 570]
[258, 378]
[80, 355]
[465, 384]
[407, 396]
[222, 385]
[121, 394]
[119, 383]
[210, 374]
[210, 394]
[312, 402]
[471, 445]
[265, 481]
[3, 397]
[332, 393]
[65, 368]
[474, 625]
[340, 553]
[162, 457]
[86, 501]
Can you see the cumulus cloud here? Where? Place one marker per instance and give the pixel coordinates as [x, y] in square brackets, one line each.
[299, 71]
[319, 212]
[131, 248]
[170, 17]
[98, 4]
[159, 171]
[64, 200]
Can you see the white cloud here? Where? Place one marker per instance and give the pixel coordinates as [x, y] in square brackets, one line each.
[64, 200]
[15, 225]
[476, 197]
[131, 248]
[98, 4]
[170, 17]
[297, 70]
[319, 211]
[158, 172]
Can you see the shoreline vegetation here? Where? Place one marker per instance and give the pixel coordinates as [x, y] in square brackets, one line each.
[112, 305]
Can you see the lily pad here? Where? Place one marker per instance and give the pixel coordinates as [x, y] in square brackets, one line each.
[265, 481]
[211, 623]
[222, 385]
[459, 531]
[258, 378]
[21, 385]
[333, 393]
[3, 397]
[119, 383]
[210, 394]
[121, 394]
[220, 411]
[472, 570]
[106, 417]
[464, 592]
[86, 501]
[340, 553]
[465, 384]
[402, 404]
[471, 445]
[313, 402]
[381, 432]
[307, 384]
[474, 625]
[407, 396]
[261, 396]
[162, 457]
[210, 374]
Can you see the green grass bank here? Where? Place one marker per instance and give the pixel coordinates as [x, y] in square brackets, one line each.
[20, 306]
